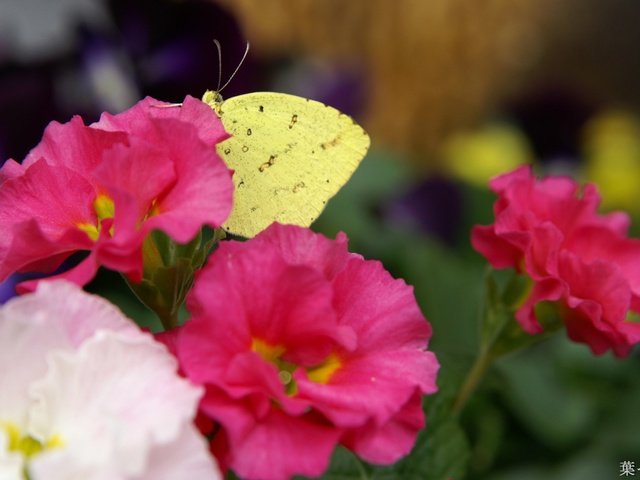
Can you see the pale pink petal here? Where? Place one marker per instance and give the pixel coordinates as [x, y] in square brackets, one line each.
[112, 401]
[182, 459]
[25, 342]
[59, 316]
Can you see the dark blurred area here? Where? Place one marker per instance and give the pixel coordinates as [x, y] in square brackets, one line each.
[68, 57]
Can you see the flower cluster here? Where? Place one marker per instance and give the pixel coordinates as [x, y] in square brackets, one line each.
[580, 260]
[295, 345]
[103, 188]
[83, 392]
[302, 345]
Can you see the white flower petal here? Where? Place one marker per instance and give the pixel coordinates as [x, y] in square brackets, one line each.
[10, 463]
[25, 339]
[58, 316]
[78, 314]
[112, 401]
[186, 458]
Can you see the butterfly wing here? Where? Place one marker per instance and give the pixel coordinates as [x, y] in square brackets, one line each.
[290, 156]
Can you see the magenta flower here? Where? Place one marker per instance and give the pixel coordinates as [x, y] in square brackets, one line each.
[302, 345]
[577, 258]
[103, 188]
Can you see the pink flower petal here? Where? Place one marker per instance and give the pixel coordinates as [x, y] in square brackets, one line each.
[297, 341]
[277, 446]
[152, 168]
[387, 443]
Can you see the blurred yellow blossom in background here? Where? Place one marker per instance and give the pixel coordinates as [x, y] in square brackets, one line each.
[611, 148]
[477, 156]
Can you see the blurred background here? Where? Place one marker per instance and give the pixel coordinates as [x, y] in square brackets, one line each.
[452, 93]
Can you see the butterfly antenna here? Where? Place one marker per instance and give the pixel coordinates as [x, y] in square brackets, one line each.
[215, 40]
[244, 56]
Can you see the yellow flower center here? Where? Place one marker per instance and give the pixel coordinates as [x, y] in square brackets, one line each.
[320, 373]
[104, 208]
[27, 445]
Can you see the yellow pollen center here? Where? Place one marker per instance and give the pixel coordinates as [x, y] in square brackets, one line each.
[104, 208]
[270, 353]
[27, 445]
[320, 373]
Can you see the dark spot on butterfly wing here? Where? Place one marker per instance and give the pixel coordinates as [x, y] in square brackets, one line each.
[268, 163]
[331, 143]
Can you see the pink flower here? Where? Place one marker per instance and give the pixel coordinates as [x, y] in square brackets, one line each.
[302, 345]
[581, 260]
[86, 395]
[102, 188]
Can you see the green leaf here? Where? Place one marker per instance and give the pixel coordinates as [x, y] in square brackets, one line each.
[500, 332]
[346, 466]
[494, 316]
[169, 269]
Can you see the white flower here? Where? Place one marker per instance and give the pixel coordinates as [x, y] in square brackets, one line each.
[85, 395]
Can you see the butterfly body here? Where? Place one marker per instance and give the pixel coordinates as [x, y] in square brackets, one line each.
[290, 155]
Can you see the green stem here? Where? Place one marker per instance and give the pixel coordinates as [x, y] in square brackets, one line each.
[475, 375]
[169, 320]
[361, 470]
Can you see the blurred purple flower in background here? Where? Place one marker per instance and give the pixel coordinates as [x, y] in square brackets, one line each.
[433, 207]
[8, 288]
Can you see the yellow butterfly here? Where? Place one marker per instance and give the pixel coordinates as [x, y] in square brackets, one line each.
[290, 156]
